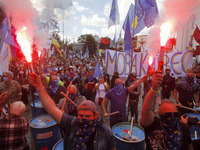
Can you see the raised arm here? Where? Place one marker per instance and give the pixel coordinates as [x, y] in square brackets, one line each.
[147, 117]
[46, 100]
[137, 83]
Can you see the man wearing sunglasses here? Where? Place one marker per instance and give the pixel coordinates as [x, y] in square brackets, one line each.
[165, 132]
[85, 132]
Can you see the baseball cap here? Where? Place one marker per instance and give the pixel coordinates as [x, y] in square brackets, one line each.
[89, 103]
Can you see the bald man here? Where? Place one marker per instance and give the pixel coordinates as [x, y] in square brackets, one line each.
[69, 108]
[118, 98]
[13, 128]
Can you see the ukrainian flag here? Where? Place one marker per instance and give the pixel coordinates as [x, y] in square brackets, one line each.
[55, 42]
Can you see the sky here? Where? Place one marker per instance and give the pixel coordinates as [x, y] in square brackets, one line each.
[89, 17]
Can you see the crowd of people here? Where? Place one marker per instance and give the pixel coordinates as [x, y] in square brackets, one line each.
[84, 127]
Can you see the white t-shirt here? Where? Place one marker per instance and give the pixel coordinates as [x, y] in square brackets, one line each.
[101, 91]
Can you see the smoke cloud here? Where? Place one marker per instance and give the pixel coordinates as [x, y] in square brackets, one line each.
[175, 11]
[24, 13]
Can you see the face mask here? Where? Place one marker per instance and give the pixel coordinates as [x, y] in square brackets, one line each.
[83, 131]
[72, 96]
[62, 74]
[5, 78]
[54, 82]
[118, 88]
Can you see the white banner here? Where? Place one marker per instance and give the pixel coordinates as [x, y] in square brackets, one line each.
[122, 62]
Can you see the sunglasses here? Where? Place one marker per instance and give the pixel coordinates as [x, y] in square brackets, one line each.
[170, 114]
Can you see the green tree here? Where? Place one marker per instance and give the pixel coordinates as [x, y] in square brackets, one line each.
[91, 43]
[82, 38]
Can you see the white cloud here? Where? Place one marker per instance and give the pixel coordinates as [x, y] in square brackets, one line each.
[108, 32]
[74, 29]
[107, 7]
[79, 7]
[95, 20]
[89, 31]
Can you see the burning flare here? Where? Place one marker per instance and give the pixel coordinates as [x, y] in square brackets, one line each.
[165, 32]
[25, 43]
[39, 54]
[150, 60]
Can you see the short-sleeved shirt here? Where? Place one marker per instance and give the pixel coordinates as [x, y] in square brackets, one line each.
[103, 138]
[186, 96]
[13, 130]
[13, 88]
[118, 102]
[154, 136]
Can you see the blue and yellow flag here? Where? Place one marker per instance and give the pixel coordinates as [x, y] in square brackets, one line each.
[55, 42]
[127, 37]
[114, 14]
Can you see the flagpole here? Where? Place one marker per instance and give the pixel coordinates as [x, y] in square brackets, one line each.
[133, 36]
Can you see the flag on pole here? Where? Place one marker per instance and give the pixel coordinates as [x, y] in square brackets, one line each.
[87, 52]
[151, 11]
[55, 42]
[114, 14]
[196, 35]
[113, 43]
[97, 71]
[104, 43]
[132, 17]
[127, 37]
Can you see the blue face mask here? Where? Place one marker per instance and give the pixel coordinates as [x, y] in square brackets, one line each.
[5, 78]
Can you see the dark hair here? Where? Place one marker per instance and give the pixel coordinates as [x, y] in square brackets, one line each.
[108, 77]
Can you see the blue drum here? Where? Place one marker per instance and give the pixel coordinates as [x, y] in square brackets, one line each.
[59, 145]
[197, 108]
[45, 131]
[39, 110]
[121, 133]
[36, 96]
[194, 127]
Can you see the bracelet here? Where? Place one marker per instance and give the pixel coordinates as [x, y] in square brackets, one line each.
[40, 90]
[155, 90]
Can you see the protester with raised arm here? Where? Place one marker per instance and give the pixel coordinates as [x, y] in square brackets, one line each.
[84, 132]
[165, 131]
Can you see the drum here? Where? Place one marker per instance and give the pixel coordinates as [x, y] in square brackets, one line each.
[45, 131]
[36, 96]
[39, 110]
[59, 145]
[194, 127]
[121, 133]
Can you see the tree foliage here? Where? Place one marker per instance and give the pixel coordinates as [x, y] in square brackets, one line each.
[91, 43]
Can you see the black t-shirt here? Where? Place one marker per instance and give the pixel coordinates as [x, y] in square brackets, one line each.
[154, 136]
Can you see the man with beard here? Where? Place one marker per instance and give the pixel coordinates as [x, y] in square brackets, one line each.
[166, 131]
[118, 98]
[167, 85]
[84, 132]
[188, 92]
